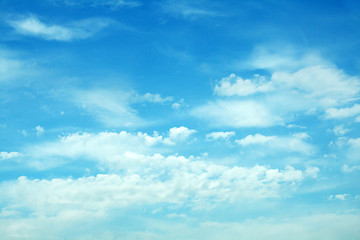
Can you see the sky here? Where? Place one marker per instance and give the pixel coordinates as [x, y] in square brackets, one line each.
[134, 119]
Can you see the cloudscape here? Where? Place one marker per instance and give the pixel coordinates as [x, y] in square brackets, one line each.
[134, 119]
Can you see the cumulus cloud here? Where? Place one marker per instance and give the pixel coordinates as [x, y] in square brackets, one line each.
[341, 113]
[341, 197]
[219, 135]
[295, 142]
[155, 98]
[32, 26]
[348, 169]
[254, 139]
[178, 134]
[339, 130]
[236, 86]
[39, 130]
[234, 113]
[188, 182]
[8, 155]
[309, 90]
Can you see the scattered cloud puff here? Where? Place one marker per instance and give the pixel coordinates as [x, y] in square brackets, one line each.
[178, 134]
[310, 90]
[110, 149]
[236, 86]
[32, 26]
[294, 143]
[339, 130]
[234, 113]
[39, 130]
[155, 98]
[341, 197]
[9, 155]
[348, 169]
[341, 113]
[219, 135]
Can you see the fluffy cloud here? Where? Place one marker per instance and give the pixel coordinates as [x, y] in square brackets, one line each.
[340, 130]
[8, 155]
[178, 134]
[156, 98]
[308, 90]
[32, 26]
[188, 182]
[341, 113]
[219, 135]
[294, 143]
[236, 86]
[234, 113]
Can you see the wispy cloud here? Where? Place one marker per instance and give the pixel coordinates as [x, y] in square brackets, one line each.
[114, 4]
[188, 9]
[32, 26]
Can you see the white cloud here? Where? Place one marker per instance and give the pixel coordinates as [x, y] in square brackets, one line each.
[340, 130]
[187, 9]
[309, 90]
[219, 135]
[155, 98]
[32, 26]
[295, 143]
[284, 58]
[112, 108]
[312, 172]
[341, 113]
[188, 182]
[254, 139]
[178, 134]
[8, 155]
[233, 113]
[325, 86]
[39, 130]
[347, 169]
[341, 197]
[236, 86]
[114, 4]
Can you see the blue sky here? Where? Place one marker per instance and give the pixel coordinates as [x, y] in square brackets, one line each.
[166, 119]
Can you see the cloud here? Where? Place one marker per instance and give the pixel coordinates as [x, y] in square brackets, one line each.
[254, 139]
[32, 26]
[39, 130]
[339, 130]
[348, 169]
[187, 182]
[293, 143]
[286, 58]
[310, 90]
[178, 134]
[341, 113]
[187, 9]
[219, 135]
[9, 155]
[155, 98]
[324, 86]
[110, 107]
[235, 113]
[341, 197]
[114, 4]
[236, 86]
